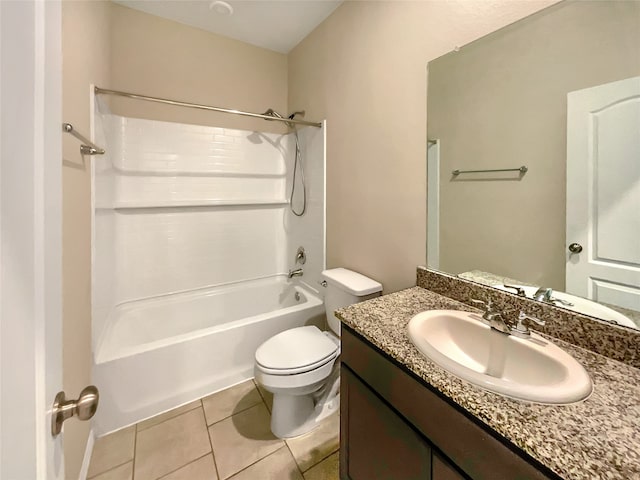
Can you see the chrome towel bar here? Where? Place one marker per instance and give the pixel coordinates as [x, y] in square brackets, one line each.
[87, 147]
[523, 169]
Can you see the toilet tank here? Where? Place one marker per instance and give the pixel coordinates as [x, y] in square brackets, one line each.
[346, 287]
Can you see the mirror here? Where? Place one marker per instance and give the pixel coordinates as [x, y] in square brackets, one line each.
[534, 159]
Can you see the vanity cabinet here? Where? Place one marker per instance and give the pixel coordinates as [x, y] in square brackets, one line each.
[394, 426]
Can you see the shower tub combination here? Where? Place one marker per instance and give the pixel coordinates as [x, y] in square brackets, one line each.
[192, 229]
[159, 353]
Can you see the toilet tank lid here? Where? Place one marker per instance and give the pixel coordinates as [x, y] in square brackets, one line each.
[353, 282]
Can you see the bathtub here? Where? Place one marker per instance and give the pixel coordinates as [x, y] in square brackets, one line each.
[159, 353]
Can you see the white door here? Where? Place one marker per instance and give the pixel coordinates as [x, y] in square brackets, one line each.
[603, 193]
[30, 239]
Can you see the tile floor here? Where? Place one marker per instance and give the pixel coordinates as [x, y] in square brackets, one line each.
[223, 436]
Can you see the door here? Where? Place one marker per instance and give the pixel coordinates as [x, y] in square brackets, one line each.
[30, 239]
[603, 193]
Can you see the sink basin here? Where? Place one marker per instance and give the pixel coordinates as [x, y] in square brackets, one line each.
[580, 305]
[531, 369]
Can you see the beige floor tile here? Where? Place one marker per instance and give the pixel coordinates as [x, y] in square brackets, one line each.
[170, 445]
[312, 447]
[266, 396]
[242, 439]
[328, 469]
[150, 422]
[230, 401]
[201, 469]
[277, 466]
[112, 450]
[123, 472]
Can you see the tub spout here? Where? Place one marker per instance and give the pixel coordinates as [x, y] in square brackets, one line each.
[295, 273]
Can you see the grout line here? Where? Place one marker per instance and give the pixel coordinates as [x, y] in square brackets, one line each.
[295, 460]
[109, 469]
[182, 466]
[321, 460]
[135, 445]
[234, 413]
[264, 400]
[257, 461]
[164, 413]
[213, 454]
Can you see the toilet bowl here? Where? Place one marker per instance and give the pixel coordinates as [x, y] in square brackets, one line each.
[301, 367]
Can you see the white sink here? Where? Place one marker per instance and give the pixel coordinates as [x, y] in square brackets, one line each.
[532, 369]
[581, 305]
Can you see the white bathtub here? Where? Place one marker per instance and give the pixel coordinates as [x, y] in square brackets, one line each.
[160, 353]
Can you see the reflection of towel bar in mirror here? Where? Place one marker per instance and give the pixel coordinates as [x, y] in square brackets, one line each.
[87, 147]
[523, 169]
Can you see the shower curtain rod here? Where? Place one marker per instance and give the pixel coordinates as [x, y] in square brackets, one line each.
[177, 103]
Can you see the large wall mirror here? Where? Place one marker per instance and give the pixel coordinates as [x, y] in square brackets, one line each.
[534, 159]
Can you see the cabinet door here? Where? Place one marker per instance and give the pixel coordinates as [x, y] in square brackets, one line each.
[377, 444]
[443, 470]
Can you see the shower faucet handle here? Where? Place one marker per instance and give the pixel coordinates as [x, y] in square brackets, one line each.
[301, 256]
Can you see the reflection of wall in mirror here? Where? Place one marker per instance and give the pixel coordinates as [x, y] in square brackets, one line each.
[501, 102]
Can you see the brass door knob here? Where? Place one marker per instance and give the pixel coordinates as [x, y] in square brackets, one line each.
[575, 248]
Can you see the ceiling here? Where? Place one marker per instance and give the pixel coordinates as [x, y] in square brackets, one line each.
[276, 25]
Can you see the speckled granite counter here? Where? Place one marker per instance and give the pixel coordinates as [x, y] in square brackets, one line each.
[597, 438]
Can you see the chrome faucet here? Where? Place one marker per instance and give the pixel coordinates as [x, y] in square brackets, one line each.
[295, 273]
[493, 318]
[545, 294]
[497, 322]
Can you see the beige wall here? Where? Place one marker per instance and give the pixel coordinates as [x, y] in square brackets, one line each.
[85, 48]
[119, 48]
[502, 102]
[161, 58]
[364, 70]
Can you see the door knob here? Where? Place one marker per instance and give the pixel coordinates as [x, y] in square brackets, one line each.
[575, 248]
[84, 408]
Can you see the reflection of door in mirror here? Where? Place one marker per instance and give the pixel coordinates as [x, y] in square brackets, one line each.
[603, 193]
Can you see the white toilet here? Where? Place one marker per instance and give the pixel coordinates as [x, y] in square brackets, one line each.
[299, 365]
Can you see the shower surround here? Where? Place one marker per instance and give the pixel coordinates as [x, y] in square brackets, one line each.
[192, 239]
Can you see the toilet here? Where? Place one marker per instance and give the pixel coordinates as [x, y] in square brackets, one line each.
[299, 366]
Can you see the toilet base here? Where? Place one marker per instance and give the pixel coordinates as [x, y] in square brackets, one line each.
[295, 415]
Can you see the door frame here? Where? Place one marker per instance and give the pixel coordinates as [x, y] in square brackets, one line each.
[433, 204]
[30, 238]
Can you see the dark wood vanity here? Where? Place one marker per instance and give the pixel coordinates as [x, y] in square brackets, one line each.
[395, 426]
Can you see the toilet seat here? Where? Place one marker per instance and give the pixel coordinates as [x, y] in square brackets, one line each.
[296, 351]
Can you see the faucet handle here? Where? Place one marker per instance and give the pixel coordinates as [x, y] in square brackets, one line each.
[521, 329]
[523, 317]
[519, 290]
[487, 304]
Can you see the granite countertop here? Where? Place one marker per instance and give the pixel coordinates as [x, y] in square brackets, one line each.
[596, 438]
